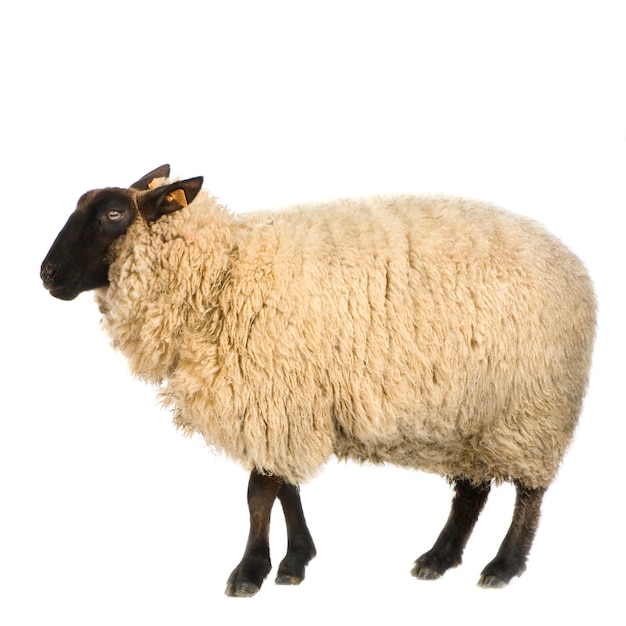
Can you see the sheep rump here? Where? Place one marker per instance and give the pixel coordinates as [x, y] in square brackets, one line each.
[433, 333]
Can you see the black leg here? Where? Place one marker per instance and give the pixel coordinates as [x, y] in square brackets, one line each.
[247, 578]
[511, 558]
[447, 552]
[300, 547]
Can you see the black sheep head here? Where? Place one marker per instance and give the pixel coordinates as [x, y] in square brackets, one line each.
[78, 259]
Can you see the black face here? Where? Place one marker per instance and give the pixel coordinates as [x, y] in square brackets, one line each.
[77, 260]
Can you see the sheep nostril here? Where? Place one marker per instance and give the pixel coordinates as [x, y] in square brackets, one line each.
[47, 273]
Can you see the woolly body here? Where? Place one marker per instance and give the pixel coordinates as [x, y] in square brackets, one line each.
[432, 333]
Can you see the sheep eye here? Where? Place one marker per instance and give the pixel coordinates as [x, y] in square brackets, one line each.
[114, 215]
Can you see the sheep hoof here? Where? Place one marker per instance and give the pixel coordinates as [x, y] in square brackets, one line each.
[500, 572]
[491, 582]
[242, 590]
[288, 579]
[421, 572]
[246, 579]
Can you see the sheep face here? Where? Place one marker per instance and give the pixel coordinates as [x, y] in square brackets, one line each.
[78, 259]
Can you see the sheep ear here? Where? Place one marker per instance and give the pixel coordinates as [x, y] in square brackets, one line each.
[143, 184]
[169, 198]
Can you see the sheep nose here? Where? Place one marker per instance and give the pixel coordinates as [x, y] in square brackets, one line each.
[47, 273]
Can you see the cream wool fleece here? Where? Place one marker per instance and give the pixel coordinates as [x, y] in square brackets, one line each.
[432, 333]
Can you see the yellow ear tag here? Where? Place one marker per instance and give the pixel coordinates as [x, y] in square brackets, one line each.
[178, 196]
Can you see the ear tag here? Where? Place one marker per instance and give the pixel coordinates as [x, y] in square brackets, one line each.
[178, 196]
[152, 184]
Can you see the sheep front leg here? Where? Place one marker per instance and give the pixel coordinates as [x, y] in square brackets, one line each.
[247, 578]
[300, 546]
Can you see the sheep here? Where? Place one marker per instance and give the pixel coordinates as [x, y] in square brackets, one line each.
[433, 333]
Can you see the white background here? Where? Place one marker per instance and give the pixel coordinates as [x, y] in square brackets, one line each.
[109, 516]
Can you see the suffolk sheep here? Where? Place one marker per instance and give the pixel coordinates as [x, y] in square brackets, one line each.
[433, 333]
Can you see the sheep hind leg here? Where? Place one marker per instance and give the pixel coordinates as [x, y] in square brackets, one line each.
[469, 500]
[300, 546]
[247, 578]
[511, 558]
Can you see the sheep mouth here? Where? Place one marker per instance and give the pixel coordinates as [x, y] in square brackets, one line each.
[67, 292]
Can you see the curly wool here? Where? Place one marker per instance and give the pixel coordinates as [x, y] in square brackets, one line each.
[432, 333]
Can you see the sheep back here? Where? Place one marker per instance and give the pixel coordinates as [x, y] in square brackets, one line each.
[432, 333]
